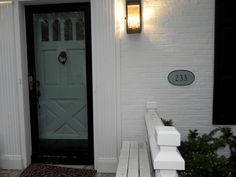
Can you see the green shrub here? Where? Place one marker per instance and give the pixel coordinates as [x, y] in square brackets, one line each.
[200, 154]
[167, 122]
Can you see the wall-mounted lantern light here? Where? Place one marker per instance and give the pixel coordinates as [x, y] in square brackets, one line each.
[5, 1]
[133, 16]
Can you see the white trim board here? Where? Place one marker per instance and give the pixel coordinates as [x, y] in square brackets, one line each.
[11, 161]
[106, 83]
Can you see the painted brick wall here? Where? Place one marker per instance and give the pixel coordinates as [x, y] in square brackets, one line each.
[177, 34]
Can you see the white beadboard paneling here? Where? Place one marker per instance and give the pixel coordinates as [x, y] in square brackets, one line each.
[104, 83]
[10, 152]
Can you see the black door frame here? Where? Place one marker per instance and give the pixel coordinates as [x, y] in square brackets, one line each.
[37, 154]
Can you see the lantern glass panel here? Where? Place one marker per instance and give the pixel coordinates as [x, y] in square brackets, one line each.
[133, 18]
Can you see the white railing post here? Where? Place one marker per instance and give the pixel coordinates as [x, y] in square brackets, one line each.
[151, 106]
[163, 142]
[168, 159]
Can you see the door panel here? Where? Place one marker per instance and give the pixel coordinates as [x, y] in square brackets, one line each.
[60, 81]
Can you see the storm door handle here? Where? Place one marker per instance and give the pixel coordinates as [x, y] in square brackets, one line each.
[38, 94]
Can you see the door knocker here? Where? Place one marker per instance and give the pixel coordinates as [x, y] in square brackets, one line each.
[62, 57]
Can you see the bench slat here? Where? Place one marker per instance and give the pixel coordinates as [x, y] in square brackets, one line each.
[144, 163]
[133, 169]
[123, 160]
[133, 160]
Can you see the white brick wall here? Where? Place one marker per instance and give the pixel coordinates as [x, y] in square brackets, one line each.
[177, 34]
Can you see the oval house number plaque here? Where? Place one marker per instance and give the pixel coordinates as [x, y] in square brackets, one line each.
[181, 77]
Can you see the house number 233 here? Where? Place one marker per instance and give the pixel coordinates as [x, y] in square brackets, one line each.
[181, 77]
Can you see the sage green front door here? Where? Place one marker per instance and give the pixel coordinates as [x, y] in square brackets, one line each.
[60, 82]
[61, 74]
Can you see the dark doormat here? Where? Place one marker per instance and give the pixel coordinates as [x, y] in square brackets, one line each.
[43, 170]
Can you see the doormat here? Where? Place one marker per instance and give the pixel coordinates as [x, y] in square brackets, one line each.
[43, 170]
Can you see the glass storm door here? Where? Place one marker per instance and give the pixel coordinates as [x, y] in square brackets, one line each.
[61, 82]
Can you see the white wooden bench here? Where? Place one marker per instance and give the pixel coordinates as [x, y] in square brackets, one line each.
[162, 142]
[133, 161]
